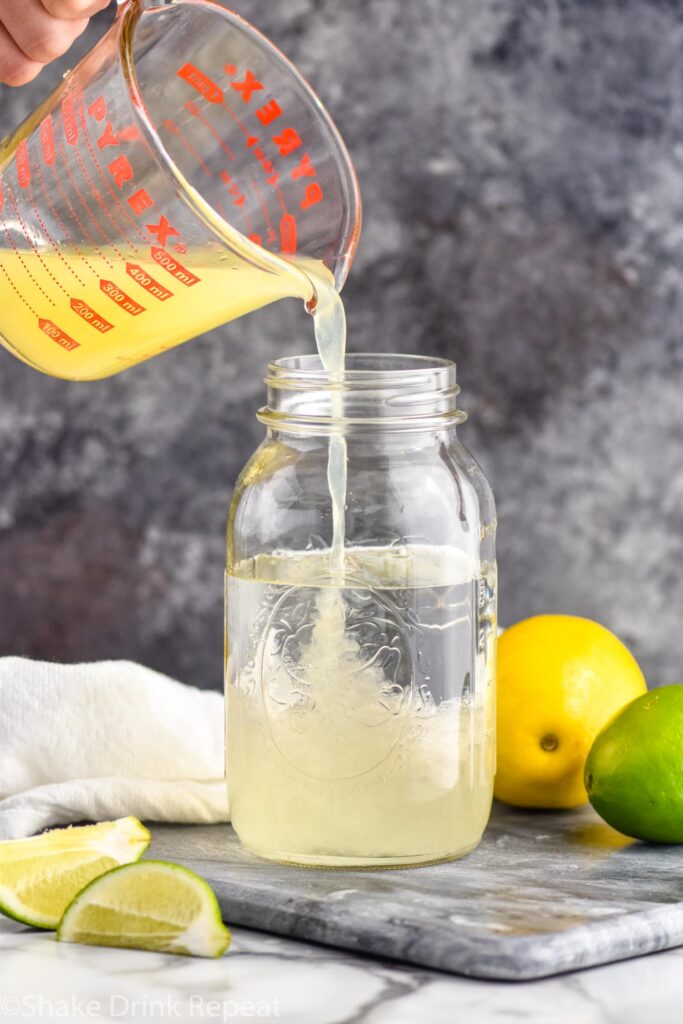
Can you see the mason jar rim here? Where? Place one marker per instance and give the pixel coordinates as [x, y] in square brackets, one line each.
[388, 391]
[374, 368]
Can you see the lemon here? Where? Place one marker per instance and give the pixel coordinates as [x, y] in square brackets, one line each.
[634, 771]
[560, 679]
[40, 876]
[153, 904]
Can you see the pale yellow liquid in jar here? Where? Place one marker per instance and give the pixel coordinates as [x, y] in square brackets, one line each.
[360, 711]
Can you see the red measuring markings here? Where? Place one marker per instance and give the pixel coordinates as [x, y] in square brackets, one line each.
[196, 112]
[147, 282]
[238, 197]
[23, 164]
[64, 228]
[121, 299]
[57, 334]
[286, 139]
[108, 138]
[88, 314]
[69, 119]
[288, 234]
[267, 165]
[271, 233]
[47, 140]
[179, 272]
[84, 205]
[201, 82]
[173, 128]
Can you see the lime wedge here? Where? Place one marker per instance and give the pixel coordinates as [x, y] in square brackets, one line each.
[150, 905]
[40, 876]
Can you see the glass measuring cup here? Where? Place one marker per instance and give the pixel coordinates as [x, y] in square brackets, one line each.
[183, 174]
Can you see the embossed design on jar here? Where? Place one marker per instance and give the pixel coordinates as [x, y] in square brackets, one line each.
[336, 679]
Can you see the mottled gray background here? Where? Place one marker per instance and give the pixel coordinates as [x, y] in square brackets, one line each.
[521, 163]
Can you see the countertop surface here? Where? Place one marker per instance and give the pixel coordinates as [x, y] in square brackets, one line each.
[264, 977]
[544, 893]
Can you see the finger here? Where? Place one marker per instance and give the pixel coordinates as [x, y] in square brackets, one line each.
[15, 67]
[72, 10]
[40, 36]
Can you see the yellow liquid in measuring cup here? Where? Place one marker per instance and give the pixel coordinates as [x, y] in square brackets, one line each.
[88, 315]
[345, 747]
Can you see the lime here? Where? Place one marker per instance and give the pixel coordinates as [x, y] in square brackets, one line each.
[149, 905]
[40, 876]
[634, 771]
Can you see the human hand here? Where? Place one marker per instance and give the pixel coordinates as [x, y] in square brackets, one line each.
[34, 32]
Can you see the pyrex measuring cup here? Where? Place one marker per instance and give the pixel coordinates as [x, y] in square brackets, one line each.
[183, 174]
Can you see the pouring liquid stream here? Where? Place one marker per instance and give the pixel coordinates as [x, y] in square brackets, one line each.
[330, 339]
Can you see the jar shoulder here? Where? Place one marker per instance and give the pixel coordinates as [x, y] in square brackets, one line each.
[466, 463]
[433, 489]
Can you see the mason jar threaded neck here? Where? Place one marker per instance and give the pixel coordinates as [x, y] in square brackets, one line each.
[375, 391]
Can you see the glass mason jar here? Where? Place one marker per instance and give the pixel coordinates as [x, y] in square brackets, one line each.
[360, 681]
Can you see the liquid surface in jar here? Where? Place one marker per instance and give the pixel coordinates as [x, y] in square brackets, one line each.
[360, 709]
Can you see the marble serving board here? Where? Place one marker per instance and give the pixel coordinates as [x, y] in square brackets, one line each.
[544, 893]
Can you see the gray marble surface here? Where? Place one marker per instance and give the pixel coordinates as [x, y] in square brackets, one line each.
[521, 163]
[544, 893]
[301, 983]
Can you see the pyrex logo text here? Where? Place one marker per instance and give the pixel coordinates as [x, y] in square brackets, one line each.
[286, 138]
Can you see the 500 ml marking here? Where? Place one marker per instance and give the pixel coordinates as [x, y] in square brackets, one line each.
[179, 272]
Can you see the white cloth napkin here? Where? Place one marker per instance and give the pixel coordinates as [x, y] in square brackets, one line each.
[99, 741]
